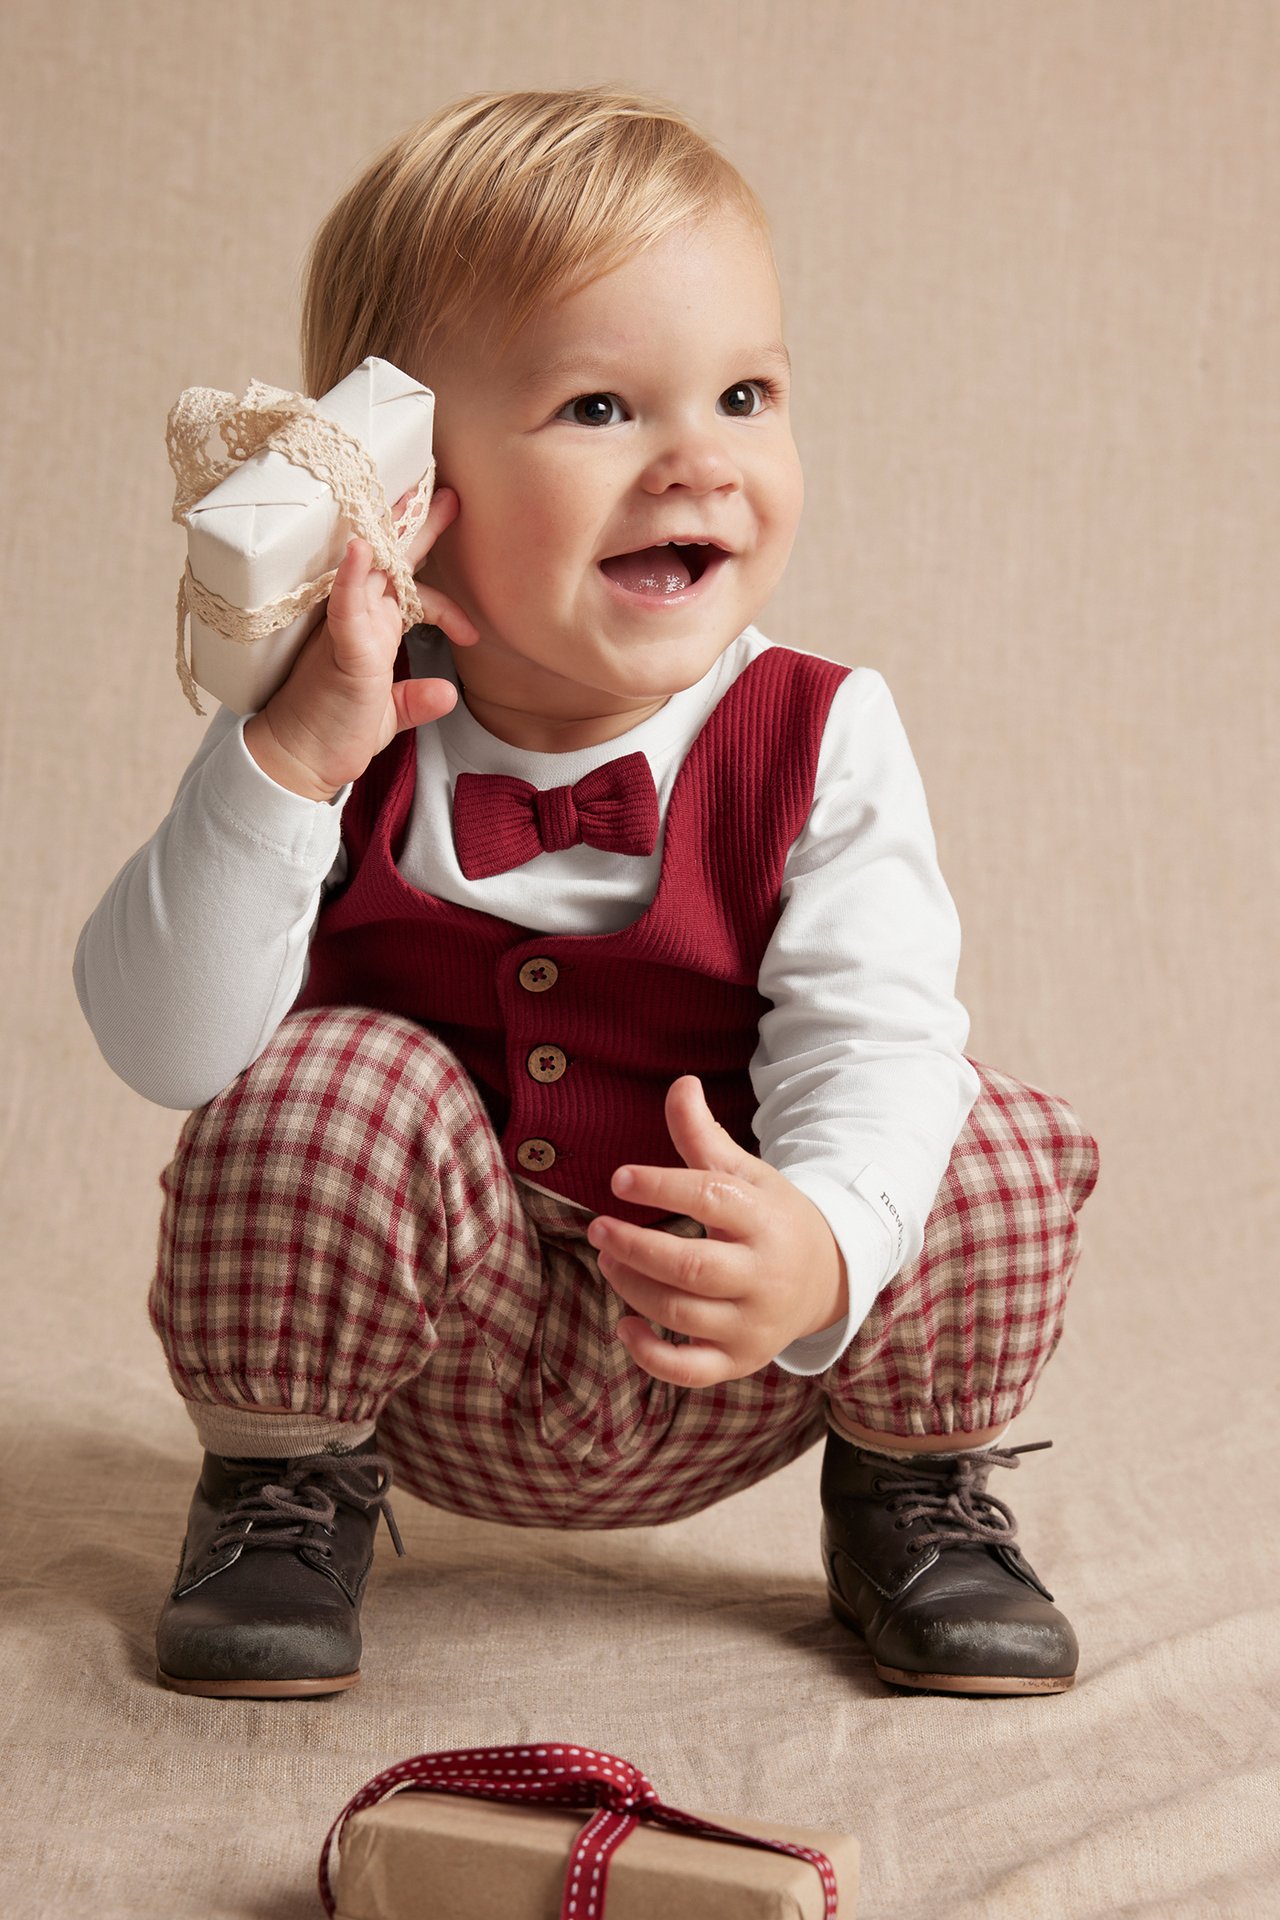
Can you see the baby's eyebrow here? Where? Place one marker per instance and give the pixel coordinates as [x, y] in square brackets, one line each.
[587, 363]
[775, 351]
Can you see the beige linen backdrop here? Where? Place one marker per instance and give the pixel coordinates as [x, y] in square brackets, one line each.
[1029, 250]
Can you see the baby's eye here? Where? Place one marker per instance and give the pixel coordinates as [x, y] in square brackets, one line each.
[589, 400]
[766, 388]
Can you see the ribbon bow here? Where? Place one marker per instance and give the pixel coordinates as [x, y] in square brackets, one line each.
[564, 1776]
[290, 424]
[499, 822]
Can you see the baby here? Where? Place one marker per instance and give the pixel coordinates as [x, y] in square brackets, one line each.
[563, 992]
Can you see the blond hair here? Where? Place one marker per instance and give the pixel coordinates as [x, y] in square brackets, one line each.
[497, 202]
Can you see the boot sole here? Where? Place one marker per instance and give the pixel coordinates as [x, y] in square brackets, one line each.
[301, 1689]
[1001, 1683]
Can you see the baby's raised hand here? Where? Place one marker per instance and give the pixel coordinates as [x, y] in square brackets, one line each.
[340, 705]
[768, 1272]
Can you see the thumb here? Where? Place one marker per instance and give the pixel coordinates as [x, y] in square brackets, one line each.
[695, 1132]
[417, 701]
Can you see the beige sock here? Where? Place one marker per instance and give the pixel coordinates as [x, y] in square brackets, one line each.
[238, 1433]
[892, 1453]
[903, 1453]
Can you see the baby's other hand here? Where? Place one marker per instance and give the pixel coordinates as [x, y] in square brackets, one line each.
[768, 1272]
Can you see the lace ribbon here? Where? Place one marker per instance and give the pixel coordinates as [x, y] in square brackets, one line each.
[290, 424]
[564, 1776]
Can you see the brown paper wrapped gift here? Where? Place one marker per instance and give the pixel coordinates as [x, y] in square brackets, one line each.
[417, 1844]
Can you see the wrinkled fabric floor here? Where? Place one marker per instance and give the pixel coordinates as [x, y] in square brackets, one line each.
[703, 1652]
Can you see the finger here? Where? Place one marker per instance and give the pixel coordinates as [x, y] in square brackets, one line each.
[418, 701]
[714, 1269]
[724, 1203]
[690, 1314]
[699, 1365]
[439, 611]
[376, 586]
[348, 596]
[405, 498]
[416, 549]
[695, 1132]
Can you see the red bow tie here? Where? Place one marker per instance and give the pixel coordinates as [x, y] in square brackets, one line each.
[499, 822]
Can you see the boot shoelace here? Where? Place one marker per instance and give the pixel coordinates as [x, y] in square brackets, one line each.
[959, 1508]
[277, 1507]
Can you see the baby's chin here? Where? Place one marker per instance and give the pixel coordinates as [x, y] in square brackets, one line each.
[664, 663]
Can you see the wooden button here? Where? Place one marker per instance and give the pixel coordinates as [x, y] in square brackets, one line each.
[535, 1156]
[537, 975]
[546, 1063]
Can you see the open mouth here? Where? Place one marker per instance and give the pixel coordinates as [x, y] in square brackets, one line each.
[663, 573]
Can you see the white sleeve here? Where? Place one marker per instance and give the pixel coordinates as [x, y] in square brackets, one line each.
[199, 946]
[860, 1076]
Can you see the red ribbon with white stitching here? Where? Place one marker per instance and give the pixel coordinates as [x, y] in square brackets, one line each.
[563, 1776]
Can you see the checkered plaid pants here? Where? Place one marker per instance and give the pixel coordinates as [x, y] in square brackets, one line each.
[341, 1237]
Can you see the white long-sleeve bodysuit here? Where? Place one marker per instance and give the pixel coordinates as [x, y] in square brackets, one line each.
[199, 946]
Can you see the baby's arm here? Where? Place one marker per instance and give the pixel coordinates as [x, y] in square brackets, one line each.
[860, 1074]
[199, 946]
[862, 1085]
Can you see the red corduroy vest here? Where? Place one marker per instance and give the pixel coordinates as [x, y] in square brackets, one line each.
[573, 1039]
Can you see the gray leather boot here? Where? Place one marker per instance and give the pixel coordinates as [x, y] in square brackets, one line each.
[266, 1601]
[921, 1562]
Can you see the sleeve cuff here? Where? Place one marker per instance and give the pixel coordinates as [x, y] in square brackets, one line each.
[869, 1245]
[306, 832]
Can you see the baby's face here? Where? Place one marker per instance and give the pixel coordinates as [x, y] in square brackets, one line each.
[650, 406]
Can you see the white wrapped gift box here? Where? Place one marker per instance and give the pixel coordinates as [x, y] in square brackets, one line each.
[270, 525]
